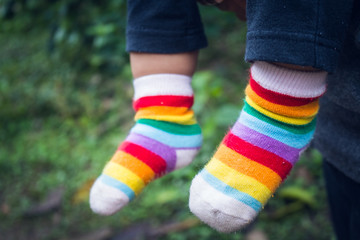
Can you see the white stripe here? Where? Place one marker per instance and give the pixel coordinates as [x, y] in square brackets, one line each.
[106, 200]
[218, 210]
[184, 157]
[290, 82]
[162, 84]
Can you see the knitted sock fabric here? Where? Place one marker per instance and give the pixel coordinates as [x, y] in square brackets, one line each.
[165, 137]
[274, 127]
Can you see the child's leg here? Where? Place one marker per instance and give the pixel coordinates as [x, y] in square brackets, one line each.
[165, 136]
[163, 38]
[274, 127]
[143, 64]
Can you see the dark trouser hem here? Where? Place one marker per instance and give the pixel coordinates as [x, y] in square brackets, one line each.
[303, 32]
[292, 48]
[165, 42]
[170, 26]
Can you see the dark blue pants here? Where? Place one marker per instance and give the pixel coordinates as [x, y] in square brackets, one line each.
[166, 26]
[344, 200]
[303, 32]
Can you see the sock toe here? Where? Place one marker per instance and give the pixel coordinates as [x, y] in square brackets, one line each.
[106, 200]
[221, 212]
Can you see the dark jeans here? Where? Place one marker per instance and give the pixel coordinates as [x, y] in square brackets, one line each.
[344, 200]
[303, 32]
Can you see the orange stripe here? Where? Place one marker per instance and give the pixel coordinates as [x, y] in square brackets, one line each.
[248, 167]
[304, 111]
[163, 110]
[135, 165]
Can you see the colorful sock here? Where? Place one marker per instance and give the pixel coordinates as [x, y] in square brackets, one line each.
[165, 137]
[274, 127]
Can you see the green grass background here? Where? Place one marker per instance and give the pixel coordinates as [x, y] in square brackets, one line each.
[59, 125]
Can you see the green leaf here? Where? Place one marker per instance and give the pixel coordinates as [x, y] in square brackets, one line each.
[102, 29]
[299, 194]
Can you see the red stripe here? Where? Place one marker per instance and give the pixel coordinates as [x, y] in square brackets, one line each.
[164, 100]
[257, 154]
[278, 98]
[154, 161]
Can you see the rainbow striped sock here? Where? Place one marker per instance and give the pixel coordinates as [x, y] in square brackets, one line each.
[274, 128]
[165, 137]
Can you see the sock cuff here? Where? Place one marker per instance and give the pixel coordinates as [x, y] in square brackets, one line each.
[289, 82]
[162, 84]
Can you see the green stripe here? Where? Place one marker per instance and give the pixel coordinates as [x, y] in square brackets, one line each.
[172, 127]
[298, 129]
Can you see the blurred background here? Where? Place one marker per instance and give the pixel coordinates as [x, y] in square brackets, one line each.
[65, 104]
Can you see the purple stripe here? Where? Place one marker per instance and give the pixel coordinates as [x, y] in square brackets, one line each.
[164, 151]
[265, 142]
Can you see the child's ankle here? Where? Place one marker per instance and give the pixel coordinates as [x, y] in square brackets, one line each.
[143, 64]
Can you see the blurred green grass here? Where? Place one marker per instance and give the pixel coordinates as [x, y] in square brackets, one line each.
[60, 125]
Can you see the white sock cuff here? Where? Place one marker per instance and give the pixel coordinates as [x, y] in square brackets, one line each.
[289, 82]
[162, 84]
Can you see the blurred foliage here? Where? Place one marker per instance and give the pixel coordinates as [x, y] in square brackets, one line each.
[65, 104]
[88, 34]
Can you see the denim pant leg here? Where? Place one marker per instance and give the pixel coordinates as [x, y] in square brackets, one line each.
[344, 199]
[169, 26]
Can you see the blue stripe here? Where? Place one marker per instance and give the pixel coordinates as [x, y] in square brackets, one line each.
[229, 191]
[118, 185]
[172, 140]
[291, 139]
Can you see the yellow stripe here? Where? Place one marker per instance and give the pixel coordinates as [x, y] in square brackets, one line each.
[163, 110]
[294, 121]
[248, 167]
[238, 180]
[134, 165]
[125, 176]
[304, 111]
[186, 119]
[180, 115]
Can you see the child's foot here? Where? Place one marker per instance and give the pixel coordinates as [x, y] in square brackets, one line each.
[274, 127]
[165, 137]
